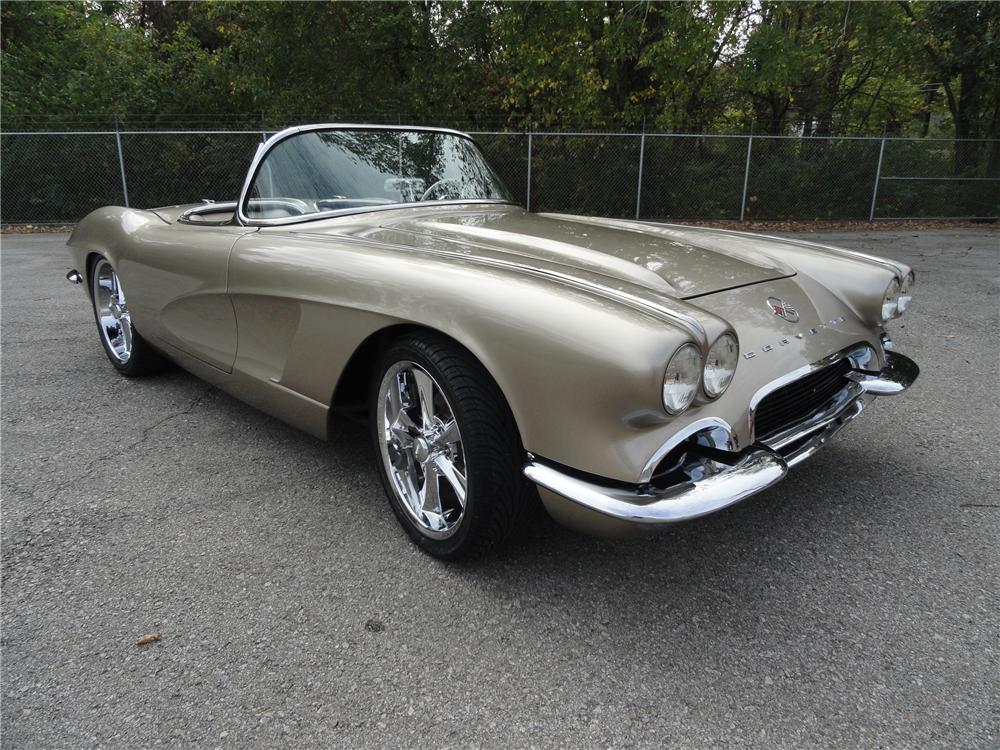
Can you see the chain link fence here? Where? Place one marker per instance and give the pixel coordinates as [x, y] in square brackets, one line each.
[58, 177]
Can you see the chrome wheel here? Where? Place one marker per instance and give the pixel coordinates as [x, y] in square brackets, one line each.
[422, 449]
[112, 313]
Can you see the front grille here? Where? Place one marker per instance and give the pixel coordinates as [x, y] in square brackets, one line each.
[794, 402]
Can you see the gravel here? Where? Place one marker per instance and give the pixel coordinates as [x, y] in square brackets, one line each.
[854, 605]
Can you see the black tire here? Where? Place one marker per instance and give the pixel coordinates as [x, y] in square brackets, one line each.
[497, 492]
[142, 359]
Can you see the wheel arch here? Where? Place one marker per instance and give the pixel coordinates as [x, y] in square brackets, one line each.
[351, 391]
[88, 269]
[350, 395]
[105, 233]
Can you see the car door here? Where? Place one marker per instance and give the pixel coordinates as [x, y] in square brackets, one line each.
[177, 280]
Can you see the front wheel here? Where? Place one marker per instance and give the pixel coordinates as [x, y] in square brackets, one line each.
[448, 448]
[127, 350]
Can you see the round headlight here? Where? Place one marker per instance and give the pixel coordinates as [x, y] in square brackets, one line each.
[890, 301]
[905, 293]
[720, 365]
[680, 381]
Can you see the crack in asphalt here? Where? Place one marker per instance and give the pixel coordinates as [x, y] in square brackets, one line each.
[92, 465]
[37, 341]
[195, 402]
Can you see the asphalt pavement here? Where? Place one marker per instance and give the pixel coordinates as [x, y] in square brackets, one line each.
[856, 604]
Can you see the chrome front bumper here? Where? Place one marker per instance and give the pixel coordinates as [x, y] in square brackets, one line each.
[617, 509]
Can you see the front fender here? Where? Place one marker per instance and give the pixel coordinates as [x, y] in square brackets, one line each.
[109, 232]
[582, 373]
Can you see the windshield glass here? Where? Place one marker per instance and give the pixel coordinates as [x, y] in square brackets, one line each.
[331, 170]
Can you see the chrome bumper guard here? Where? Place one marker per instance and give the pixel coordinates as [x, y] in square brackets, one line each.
[764, 464]
[757, 471]
[897, 375]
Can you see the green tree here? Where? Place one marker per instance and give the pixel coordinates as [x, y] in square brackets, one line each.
[815, 68]
[961, 42]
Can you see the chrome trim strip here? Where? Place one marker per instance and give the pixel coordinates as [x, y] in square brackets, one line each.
[266, 146]
[841, 402]
[208, 208]
[757, 471]
[625, 297]
[292, 220]
[819, 440]
[862, 356]
[898, 268]
[898, 374]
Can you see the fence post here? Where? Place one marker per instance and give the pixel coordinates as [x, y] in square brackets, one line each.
[638, 190]
[746, 176]
[121, 161]
[528, 199]
[878, 176]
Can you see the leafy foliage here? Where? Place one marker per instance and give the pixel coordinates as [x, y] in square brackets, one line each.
[735, 66]
[809, 67]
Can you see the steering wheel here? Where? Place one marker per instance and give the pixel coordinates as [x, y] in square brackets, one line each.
[452, 184]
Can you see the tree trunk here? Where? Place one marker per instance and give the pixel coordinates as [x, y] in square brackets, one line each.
[967, 123]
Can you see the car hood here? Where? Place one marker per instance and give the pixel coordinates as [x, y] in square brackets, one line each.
[672, 261]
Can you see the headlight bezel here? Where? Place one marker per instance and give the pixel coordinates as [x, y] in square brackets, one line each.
[710, 392]
[905, 293]
[890, 300]
[686, 356]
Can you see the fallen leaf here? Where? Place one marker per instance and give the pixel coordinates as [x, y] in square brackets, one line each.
[147, 639]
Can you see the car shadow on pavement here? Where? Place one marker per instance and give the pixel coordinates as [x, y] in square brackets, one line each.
[831, 509]
[823, 528]
[825, 523]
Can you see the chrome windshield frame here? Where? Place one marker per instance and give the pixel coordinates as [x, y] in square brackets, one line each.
[265, 148]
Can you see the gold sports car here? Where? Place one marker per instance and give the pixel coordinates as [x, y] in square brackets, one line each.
[630, 374]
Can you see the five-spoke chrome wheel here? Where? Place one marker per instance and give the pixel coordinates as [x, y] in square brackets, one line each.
[422, 449]
[112, 313]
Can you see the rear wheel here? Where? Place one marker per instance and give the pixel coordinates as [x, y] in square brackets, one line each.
[127, 350]
[449, 452]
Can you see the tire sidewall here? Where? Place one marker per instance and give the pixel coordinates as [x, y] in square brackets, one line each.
[456, 544]
[134, 365]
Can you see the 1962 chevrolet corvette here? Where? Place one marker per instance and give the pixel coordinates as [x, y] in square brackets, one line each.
[631, 374]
